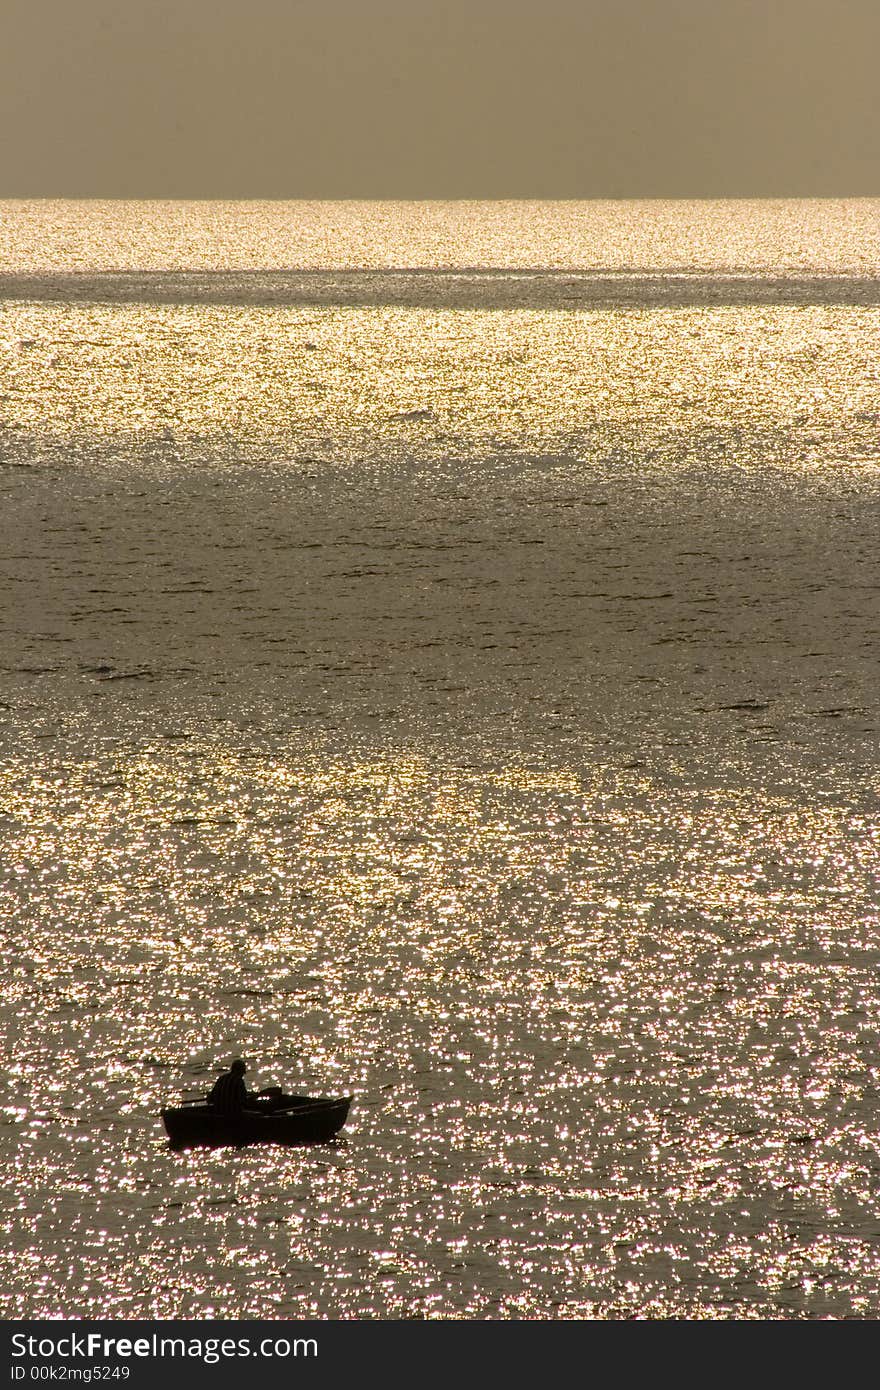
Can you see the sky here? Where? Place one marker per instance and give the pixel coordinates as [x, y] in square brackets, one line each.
[439, 98]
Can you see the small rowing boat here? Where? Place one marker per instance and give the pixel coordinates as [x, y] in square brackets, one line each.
[281, 1120]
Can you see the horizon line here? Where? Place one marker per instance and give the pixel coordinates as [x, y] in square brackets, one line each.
[436, 198]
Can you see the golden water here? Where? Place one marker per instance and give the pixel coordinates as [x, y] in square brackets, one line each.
[458, 693]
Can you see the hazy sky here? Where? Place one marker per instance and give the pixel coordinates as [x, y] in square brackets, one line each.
[439, 98]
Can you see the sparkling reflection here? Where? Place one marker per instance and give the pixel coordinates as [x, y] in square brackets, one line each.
[594, 1073]
[461, 694]
[330, 386]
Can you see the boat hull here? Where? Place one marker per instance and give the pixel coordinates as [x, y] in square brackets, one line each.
[304, 1121]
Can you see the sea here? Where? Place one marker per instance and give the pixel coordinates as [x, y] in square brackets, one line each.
[439, 663]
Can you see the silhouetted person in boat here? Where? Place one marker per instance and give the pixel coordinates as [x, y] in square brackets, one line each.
[229, 1094]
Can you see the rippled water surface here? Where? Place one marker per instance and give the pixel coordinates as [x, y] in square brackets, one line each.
[439, 660]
